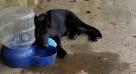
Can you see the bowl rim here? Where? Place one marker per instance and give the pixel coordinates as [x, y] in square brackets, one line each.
[38, 57]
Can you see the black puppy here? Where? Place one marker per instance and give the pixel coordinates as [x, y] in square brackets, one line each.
[57, 23]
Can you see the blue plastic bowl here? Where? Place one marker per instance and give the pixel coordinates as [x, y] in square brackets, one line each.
[18, 58]
[30, 55]
[45, 57]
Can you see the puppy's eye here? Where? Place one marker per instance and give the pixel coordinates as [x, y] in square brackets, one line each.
[48, 24]
[41, 17]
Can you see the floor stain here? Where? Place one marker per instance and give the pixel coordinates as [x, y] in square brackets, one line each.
[93, 63]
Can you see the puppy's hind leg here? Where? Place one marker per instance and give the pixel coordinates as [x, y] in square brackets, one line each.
[73, 31]
[93, 34]
[76, 25]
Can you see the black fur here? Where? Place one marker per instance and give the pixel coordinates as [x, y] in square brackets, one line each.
[58, 23]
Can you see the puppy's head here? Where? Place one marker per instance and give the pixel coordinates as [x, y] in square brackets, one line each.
[42, 25]
[42, 21]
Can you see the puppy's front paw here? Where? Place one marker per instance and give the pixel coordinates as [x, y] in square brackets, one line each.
[61, 53]
[74, 35]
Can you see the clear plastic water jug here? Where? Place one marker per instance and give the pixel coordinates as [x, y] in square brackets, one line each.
[17, 27]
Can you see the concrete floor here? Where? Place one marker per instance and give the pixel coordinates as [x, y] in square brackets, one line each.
[114, 54]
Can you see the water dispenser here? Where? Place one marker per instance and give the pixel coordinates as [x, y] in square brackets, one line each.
[17, 36]
[17, 27]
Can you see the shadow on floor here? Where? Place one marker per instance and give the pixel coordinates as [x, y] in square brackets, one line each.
[92, 63]
[81, 62]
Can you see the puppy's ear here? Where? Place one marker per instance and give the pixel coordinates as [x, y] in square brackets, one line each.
[35, 20]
